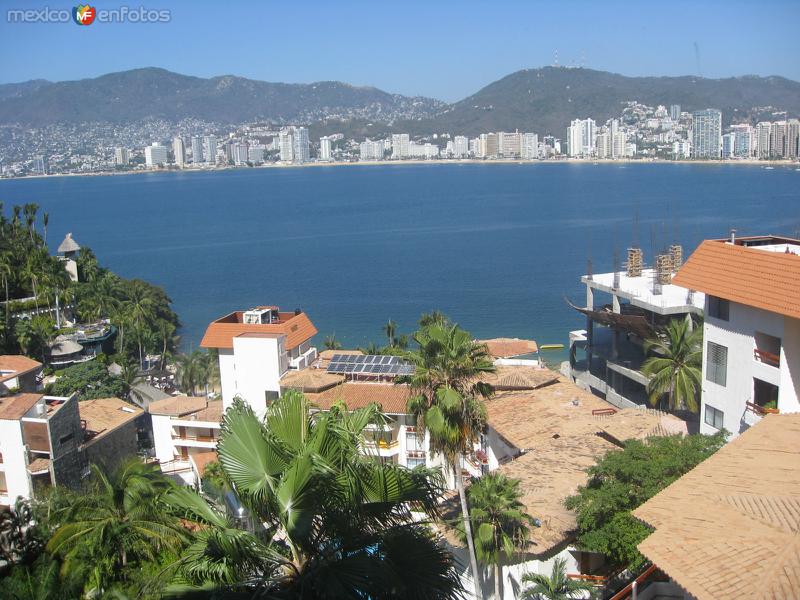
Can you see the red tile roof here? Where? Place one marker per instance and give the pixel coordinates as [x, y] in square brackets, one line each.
[15, 407]
[17, 364]
[746, 275]
[296, 328]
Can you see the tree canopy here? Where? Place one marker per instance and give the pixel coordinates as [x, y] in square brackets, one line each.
[623, 480]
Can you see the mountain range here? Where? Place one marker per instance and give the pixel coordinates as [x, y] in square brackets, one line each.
[542, 100]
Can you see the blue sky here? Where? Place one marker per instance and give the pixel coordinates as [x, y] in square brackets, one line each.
[437, 48]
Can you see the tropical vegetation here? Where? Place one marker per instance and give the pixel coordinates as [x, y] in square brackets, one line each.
[555, 587]
[675, 365]
[32, 279]
[338, 523]
[448, 401]
[621, 481]
[501, 525]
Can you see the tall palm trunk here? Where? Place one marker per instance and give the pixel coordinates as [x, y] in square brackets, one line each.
[473, 561]
[498, 575]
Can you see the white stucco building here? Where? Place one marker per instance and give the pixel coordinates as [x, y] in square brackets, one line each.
[256, 348]
[751, 347]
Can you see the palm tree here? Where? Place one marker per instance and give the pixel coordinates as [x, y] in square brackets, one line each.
[131, 375]
[390, 329]
[331, 343]
[193, 371]
[6, 270]
[139, 306]
[448, 402]
[502, 525]
[119, 522]
[676, 368]
[45, 222]
[556, 587]
[331, 522]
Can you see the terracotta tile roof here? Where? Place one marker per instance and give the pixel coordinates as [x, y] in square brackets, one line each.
[310, 380]
[212, 412]
[392, 398]
[758, 278]
[509, 347]
[202, 459]
[17, 365]
[296, 328]
[730, 528]
[506, 377]
[15, 407]
[104, 415]
[560, 442]
[177, 406]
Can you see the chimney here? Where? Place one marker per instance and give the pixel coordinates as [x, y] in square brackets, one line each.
[733, 236]
[297, 311]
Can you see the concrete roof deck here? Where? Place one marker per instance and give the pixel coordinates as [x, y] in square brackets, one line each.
[639, 292]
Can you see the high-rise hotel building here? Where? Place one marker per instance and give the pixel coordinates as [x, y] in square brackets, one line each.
[707, 133]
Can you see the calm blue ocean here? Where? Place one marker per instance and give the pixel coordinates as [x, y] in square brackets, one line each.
[497, 247]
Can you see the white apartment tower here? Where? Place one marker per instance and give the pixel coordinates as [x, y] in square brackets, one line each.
[121, 156]
[179, 150]
[762, 139]
[210, 149]
[325, 148]
[707, 133]
[460, 146]
[155, 155]
[197, 149]
[400, 145]
[581, 138]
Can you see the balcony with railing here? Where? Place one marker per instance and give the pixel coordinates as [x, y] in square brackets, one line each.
[767, 350]
[199, 438]
[383, 442]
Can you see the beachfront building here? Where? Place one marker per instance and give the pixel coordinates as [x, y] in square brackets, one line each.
[728, 528]
[581, 136]
[256, 348]
[179, 151]
[707, 133]
[607, 356]
[210, 149]
[751, 353]
[529, 146]
[19, 374]
[197, 149]
[121, 156]
[400, 145]
[325, 148]
[371, 149]
[49, 440]
[155, 155]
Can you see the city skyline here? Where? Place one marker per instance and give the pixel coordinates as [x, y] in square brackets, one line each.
[419, 55]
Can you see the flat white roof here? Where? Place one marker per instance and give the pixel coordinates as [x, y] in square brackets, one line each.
[638, 291]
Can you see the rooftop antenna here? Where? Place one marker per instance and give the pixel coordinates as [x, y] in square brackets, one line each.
[555, 58]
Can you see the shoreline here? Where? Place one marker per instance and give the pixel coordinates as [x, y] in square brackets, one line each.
[437, 161]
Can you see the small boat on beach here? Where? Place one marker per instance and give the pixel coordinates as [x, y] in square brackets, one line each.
[551, 347]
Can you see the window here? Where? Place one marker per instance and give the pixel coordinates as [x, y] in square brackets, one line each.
[719, 308]
[65, 438]
[716, 363]
[714, 417]
[415, 462]
[270, 396]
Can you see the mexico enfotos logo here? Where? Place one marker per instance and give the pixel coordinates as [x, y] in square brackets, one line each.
[85, 15]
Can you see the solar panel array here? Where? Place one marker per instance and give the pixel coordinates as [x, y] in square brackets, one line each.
[369, 364]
